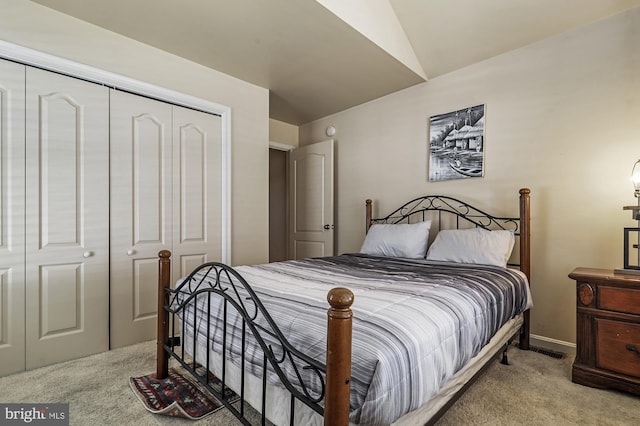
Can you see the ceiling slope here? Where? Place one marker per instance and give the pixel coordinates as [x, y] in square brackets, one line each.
[313, 63]
[450, 34]
[319, 57]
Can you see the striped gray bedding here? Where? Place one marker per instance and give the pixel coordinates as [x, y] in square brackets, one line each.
[415, 324]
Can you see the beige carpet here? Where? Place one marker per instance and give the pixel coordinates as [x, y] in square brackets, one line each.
[537, 390]
[97, 389]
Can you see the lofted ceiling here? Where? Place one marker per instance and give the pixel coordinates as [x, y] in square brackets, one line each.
[319, 57]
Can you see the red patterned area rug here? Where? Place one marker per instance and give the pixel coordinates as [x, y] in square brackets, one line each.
[174, 396]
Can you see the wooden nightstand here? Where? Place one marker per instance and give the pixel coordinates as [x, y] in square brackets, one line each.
[608, 330]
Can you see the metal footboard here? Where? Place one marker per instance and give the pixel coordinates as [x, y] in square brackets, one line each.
[216, 308]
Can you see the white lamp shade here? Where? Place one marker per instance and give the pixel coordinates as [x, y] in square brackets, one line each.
[635, 177]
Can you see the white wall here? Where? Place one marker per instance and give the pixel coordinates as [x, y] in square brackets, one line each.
[283, 133]
[561, 119]
[37, 27]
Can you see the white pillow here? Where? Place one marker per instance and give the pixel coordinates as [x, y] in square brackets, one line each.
[397, 240]
[476, 245]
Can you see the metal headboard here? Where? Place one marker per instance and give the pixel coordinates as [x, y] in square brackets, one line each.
[451, 213]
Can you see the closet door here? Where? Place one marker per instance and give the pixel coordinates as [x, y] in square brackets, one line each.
[12, 289]
[141, 212]
[67, 221]
[197, 184]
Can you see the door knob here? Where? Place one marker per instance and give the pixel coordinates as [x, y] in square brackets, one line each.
[131, 252]
[326, 226]
[87, 254]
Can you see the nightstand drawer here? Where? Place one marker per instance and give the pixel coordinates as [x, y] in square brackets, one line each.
[619, 299]
[618, 346]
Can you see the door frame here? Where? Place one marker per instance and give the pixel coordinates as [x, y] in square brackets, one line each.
[287, 149]
[53, 63]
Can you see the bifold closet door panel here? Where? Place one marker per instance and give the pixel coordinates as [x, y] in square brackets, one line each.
[197, 181]
[12, 289]
[67, 221]
[141, 212]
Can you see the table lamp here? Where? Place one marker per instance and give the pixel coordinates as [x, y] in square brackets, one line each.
[633, 267]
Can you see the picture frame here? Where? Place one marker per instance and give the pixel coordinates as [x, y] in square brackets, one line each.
[631, 248]
[456, 144]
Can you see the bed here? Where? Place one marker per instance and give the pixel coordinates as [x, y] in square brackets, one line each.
[406, 332]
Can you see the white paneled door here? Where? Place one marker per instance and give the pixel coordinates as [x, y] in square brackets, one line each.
[197, 177]
[67, 225]
[141, 212]
[94, 182]
[165, 195]
[12, 288]
[311, 201]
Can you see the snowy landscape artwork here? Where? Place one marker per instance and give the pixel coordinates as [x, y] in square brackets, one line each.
[456, 144]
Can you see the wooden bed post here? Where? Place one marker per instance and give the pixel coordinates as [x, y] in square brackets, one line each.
[336, 400]
[164, 282]
[369, 215]
[525, 256]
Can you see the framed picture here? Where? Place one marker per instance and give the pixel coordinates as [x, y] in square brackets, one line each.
[631, 247]
[456, 144]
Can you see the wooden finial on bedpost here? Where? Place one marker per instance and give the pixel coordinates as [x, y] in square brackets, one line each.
[336, 400]
[368, 215]
[164, 282]
[525, 256]
[525, 232]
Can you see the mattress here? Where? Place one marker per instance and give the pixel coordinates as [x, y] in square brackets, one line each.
[416, 325]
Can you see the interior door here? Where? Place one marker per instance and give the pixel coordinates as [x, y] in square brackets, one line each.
[141, 212]
[67, 204]
[197, 189]
[311, 201]
[12, 181]
[278, 211]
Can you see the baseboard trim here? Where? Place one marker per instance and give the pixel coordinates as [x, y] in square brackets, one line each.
[553, 344]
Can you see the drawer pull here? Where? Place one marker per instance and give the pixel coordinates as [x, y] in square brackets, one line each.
[632, 348]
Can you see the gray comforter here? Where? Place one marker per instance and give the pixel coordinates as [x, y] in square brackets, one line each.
[415, 322]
